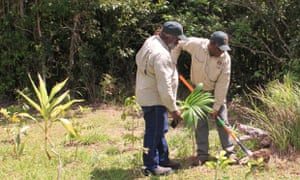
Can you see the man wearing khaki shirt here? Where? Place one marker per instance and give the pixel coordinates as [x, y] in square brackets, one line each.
[211, 66]
[156, 88]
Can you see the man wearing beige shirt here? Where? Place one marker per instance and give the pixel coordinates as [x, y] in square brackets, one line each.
[211, 66]
[156, 88]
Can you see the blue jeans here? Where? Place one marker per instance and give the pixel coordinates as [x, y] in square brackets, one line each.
[155, 144]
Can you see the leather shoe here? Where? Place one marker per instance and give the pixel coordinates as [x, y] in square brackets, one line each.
[171, 164]
[159, 171]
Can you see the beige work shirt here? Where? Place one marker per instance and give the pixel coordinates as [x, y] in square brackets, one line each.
[213, 72]
[157, 76]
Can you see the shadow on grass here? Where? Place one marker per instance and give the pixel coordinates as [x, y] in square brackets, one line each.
[129, 174]
[115, 173]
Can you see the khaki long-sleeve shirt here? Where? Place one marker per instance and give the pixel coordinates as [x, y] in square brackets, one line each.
[213, 72]
[157, 76]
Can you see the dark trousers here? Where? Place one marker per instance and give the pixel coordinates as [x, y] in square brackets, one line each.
[202, 133]
[155, 143]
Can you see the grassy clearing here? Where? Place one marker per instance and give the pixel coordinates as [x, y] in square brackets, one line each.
[102, 153]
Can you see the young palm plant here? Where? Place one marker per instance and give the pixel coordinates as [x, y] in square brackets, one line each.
[221, 164]
[196, 106]
[51, 107]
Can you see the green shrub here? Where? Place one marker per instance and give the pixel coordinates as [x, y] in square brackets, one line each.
[276, 109]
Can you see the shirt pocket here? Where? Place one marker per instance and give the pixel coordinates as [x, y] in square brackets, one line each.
[213, 72]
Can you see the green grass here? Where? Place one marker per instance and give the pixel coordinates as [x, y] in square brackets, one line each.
[101, 153]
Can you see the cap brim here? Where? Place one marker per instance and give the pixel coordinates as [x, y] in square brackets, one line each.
[224, 48]
[182, 37]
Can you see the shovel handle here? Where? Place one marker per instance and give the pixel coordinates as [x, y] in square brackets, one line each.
[187, 84]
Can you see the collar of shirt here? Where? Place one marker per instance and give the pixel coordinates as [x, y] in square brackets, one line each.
[163, 43]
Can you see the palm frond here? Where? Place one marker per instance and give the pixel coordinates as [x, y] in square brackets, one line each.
[58, 87]
[30, 101]
[196, 106]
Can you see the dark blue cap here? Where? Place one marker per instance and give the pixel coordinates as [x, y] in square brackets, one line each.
[221, 40]
[174, 28]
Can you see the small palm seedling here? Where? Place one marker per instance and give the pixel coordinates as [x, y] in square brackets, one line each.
[221, 163]
[51, 107]
[19, 131]
[195, 107]
[19, 142]
[255, 166]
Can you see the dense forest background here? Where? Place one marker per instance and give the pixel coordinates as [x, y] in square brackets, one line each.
[94, 43]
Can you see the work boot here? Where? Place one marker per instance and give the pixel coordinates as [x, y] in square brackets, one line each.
[159, 171]
[171, 164]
